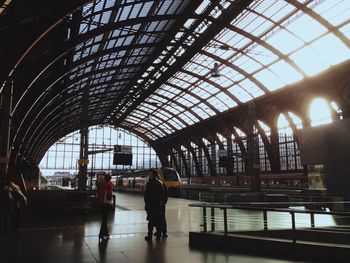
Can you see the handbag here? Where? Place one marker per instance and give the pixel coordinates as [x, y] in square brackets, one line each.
[106, 201]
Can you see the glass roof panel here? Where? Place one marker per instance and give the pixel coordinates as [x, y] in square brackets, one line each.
[346, 30]
[335, 11]
[240, 93]
[285, 41]
[277, 10]
[269, 80]
[247, 64]
[231, 74]
[223, 81]
[145, 9]
[218, 104]
[285, 72]
[187, 100]
[331, 49]
[254, 24]
[176, 123]
[200, 91]
[180, 83]
[306, 28]
[201, 8]
[251, 88]
[173, 108]
[309, 61]
[201, 112]
[226, 100]
[124, 14]
[187, 117]
[209, 88]
[163, 115]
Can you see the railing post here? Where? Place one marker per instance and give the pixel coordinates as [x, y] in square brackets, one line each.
[212, 219]
[293, 219]
[265, 219]
[312, 218]
[225, 221]
[204, 219]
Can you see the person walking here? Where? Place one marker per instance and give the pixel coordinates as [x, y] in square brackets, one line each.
[105, 200]
[154, 198]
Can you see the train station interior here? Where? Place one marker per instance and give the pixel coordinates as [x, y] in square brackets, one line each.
[241, 106]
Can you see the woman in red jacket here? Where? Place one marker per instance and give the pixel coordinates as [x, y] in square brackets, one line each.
[105, 200]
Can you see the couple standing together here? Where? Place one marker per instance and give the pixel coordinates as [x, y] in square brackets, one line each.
[156, 196]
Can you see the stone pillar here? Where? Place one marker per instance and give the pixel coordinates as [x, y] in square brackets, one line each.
[252, 162]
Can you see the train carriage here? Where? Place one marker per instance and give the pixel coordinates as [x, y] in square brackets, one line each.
[135, 181]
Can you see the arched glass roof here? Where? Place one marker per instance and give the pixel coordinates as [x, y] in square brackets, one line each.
[268, 46]
[147, 66]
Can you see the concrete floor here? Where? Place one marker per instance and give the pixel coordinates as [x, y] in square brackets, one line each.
[75, 238]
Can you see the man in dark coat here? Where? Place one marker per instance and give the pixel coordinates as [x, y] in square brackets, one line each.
[163, 224]
[154, 197]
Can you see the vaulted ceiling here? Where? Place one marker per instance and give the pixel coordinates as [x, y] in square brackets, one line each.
[147, 66]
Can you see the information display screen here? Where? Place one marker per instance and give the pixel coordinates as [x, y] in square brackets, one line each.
[122, 155]
[122, 159]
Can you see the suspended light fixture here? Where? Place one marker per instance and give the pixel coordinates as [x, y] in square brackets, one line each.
[120, 135]
[215, 73]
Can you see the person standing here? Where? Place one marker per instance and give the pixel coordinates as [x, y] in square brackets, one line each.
[154, 198]
[6, 205]
[105, 200]
[163, 224]
[20, 201]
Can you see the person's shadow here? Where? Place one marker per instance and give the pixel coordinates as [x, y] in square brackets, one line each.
[156, 251]
[102, 249]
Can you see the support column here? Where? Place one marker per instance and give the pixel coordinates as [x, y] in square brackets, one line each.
[229, 165]
[275, 160]
[5, 126]
[213, 156]
[252, 163]
[84, 140]
[83, 160]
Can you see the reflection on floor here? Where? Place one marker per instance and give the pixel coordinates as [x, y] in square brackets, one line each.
[75, 238]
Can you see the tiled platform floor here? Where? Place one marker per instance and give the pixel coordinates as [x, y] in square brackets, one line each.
[75, 239]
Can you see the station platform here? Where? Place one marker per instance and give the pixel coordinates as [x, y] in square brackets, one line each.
[74, 238]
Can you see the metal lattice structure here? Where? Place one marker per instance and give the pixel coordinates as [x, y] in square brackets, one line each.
[146, 66]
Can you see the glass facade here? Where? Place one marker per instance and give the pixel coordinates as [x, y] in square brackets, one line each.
[63, 155]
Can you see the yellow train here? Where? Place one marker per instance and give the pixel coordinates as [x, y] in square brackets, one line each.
[135, 181]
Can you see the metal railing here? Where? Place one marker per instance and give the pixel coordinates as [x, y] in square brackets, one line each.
[228, 218]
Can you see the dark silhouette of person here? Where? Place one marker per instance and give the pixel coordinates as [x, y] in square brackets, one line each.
[105, 200]
[20, 201]
[12, 204]
[154, 198]
[163, 224]
[6, 205]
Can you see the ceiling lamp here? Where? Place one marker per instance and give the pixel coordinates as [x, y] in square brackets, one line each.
[215, 73]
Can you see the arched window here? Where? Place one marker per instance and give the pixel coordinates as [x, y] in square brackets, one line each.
[63, 155]
[320, 112]
[288, 147]
[283, 125]
[263, 157]
[266, 128]
[297, 121]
